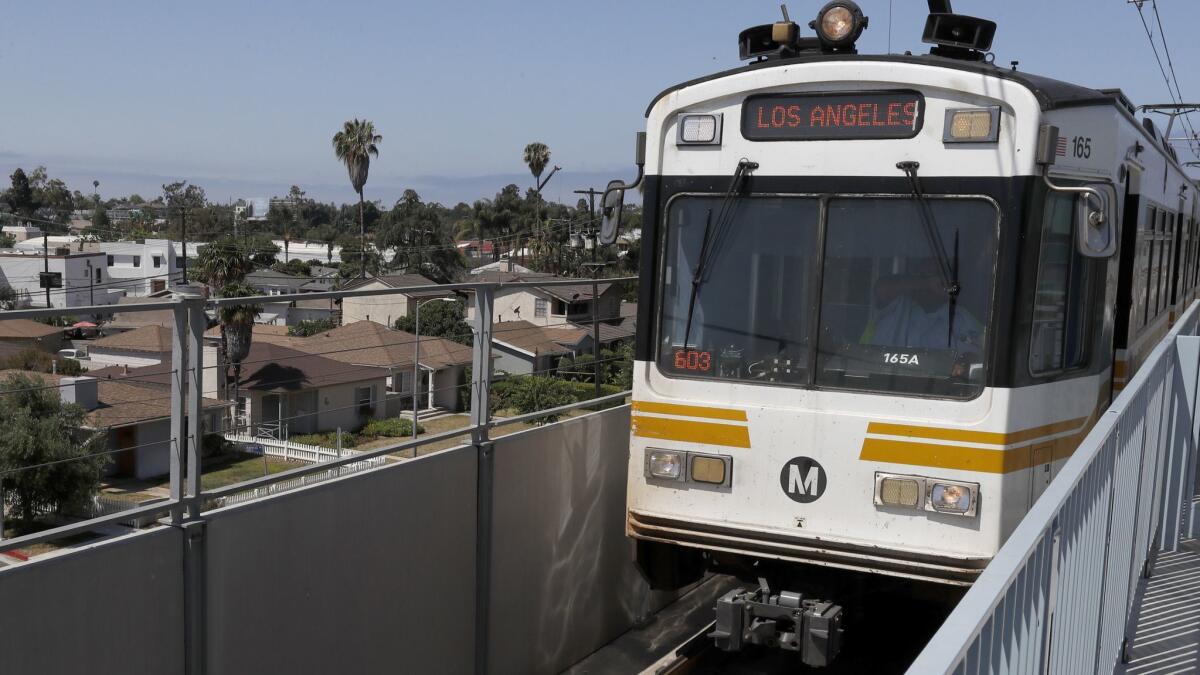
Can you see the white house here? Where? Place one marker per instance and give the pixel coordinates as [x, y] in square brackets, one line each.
[83, 275]
[140, 267]
[385, 309]
[549, 305]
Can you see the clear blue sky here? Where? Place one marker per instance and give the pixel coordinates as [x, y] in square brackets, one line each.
[243, 97]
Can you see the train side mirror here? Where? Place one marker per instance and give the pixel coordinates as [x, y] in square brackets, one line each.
[611, 209]
[1096, 223]
[613, 202]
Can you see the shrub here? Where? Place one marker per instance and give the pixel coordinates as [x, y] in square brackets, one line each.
[326, 440]
[529, 394]
[215, 444]
[307, 328]
[393, 427]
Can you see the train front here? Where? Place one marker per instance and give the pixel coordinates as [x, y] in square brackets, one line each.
[816, 378]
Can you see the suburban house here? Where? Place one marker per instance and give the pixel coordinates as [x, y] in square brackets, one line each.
[549, 305]
[385, 309]
[125, 321]
[134, 414]
[271, 282]
[26, 334]
[79, 278]
[523, 348]
[145, 346]
[366, 343]
[141, 267]
[285, 391]
[292, 312]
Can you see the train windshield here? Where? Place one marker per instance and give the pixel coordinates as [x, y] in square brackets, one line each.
[880, 314]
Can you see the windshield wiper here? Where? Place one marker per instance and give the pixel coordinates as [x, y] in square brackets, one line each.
[724, 216]
[948, 269]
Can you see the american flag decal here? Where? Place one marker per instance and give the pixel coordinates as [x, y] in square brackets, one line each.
[1061, 149]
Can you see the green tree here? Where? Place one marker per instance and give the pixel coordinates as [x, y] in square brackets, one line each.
[100, 221]
[8, 296]
[312, 327]
[356, 264]
[295, 266]
[237, 328]
[446, 319]
[354, 145]
[20, 196]
[7, 240]
[49, 463]
[420, 240]
[530, 394]
[221, 263]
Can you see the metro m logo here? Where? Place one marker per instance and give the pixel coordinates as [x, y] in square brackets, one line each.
[803, 480]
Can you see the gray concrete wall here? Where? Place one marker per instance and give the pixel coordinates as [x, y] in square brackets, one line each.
[372, 573]
[563, 579]
[115, 607]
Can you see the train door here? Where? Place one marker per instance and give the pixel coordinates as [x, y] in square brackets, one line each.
[1129, 288]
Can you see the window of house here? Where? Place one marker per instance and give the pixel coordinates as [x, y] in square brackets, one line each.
[157, 261]
[97, 274]
[364, 396]
[1059, 336]
[110, 261]
[539, 307]
[560, 308]
[137, 261]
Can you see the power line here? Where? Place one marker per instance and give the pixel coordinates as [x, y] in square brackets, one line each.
[1174, 91]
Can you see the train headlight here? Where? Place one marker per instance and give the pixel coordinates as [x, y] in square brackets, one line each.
[700, 129]
[905, 491]
[664, 464]
[956, 498]
[972, 125]
[711, 469]
[839, 24]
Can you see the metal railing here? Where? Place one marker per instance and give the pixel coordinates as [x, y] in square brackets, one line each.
[191, 318]
[1057, 597]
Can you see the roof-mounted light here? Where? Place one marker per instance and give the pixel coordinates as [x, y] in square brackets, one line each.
[839, 24]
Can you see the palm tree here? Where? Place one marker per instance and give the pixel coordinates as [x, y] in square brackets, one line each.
[221, 263]
[537, 156]
[354, 145]
[237, 325]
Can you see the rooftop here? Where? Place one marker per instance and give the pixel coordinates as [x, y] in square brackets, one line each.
[533, 339]
[371, 343]
[120, 403]
[402, 281]
[24, 329]
[151, 338]
[272, 367]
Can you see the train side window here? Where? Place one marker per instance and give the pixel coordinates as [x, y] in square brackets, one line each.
[1151, 281]
[1059, 335]
[1164, 262]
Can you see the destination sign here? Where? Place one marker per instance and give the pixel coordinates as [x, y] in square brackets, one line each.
[834, 116]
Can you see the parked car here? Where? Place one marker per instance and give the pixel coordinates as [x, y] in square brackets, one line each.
[72, 353]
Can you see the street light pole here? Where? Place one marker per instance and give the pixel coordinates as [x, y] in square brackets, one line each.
[416, 372]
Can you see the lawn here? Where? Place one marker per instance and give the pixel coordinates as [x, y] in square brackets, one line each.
[441, 425]
[235, 467]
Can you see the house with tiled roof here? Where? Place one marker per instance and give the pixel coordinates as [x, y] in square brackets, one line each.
[548, 305]
[523, 348]
[134, 414]
[287, 391]
[442, 367]
[26, 334]
[144, 346]
[385, 309]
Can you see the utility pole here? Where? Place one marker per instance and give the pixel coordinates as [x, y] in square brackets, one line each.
[183, 234]
[46, 261]
[591, 193]
[596, 267]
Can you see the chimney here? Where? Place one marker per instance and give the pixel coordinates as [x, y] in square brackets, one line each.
[80, 390]
[124, 368]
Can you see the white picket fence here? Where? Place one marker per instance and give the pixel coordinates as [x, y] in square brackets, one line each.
[299, 452]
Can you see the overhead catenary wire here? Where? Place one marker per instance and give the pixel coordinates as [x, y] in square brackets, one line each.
[1170, 80]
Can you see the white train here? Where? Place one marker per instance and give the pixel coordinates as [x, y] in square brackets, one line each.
[883, 299]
